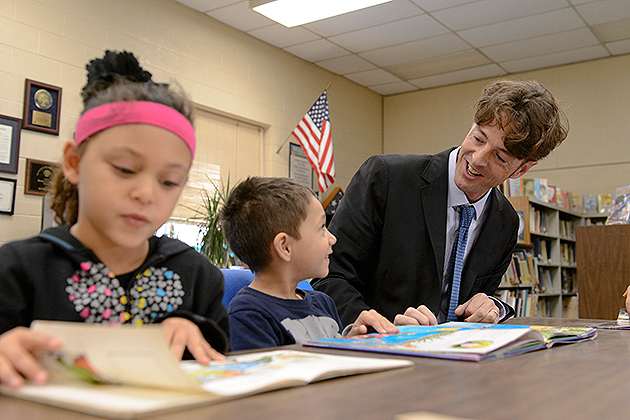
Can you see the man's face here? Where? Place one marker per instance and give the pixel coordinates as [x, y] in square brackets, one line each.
[483, 162]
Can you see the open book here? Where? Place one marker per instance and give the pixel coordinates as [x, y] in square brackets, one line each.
[127, 372]
[461, 340]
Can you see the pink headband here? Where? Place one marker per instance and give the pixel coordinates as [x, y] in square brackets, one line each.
[135, 112]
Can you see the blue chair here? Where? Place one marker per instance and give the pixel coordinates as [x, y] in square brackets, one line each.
[235, 280]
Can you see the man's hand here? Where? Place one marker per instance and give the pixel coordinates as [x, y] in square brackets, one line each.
[416, 316]
[17, 360]
[479, 309]
[372, 319]
[182, 333]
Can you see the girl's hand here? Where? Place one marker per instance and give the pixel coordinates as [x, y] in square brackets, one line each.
[182, 333]
[17, 360]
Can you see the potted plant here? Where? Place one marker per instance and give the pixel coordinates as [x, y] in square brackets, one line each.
[212, 243]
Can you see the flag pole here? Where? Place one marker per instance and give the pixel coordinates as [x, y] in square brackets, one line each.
[283, 143]
[287, 139]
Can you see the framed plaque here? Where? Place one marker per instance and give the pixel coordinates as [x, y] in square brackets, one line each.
[39, 174]
[42, 107]
[7, 195]
[9, 143]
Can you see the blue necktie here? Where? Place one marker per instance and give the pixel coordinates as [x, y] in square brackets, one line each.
[466, 214]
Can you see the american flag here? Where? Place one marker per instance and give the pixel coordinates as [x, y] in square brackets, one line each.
[313, 133]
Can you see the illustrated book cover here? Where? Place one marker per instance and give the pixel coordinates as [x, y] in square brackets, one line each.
[461, 340]
[128, 372]
[620, 210]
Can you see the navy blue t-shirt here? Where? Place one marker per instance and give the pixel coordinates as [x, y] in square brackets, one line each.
[258, 320]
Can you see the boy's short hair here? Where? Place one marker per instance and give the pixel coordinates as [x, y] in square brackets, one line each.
[527, 111]
[257, 210]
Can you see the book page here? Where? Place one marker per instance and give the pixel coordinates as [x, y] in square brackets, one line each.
[119, 353]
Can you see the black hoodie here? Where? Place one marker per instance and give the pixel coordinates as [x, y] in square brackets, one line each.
[53, 276]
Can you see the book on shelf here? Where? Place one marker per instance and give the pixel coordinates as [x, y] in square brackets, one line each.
[460, 340]
[515, 187]
[620, 210]
[590, 203]
[540, 189]
[562, 198]
[127, 372]
[528, 187]
[522, 300]
[604, 203]
[576, 203]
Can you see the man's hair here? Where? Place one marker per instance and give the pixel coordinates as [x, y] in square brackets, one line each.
[528, 113]
[257, 210]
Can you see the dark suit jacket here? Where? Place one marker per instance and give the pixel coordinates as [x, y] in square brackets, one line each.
[391, 227]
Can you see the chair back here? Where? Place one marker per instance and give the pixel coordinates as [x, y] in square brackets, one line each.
[236, 279]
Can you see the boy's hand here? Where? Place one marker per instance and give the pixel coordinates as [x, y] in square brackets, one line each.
[416, 316]
[17, 360]
[372, 319]
[627, 296]
[182, 333]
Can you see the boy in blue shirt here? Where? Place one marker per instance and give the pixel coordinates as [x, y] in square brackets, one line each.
[278, 228]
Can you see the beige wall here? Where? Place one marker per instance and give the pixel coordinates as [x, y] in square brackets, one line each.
[595, 95]
[221, 68]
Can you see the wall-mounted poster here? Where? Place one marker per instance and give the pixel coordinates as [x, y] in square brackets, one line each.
[42, 107]
[299, 167]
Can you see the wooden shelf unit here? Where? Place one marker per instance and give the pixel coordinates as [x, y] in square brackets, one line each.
[549, 239]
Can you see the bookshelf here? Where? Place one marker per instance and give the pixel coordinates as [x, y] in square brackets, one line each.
[542, 278]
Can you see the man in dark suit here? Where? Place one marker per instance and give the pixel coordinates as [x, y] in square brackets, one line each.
[397, 222]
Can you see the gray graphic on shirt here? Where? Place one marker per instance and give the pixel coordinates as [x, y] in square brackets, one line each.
[311, 327]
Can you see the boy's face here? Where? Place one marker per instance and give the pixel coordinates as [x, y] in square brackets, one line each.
[483, 162]
[315, 245]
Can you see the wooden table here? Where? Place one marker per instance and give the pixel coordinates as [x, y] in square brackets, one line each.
[579, 381]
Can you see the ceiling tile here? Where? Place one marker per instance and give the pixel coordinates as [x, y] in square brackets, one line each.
[491, 11]
[576, 2]
[393, 88]
[604, 11]
[344, 65]
[206, 5]
[432, 5]
[364, 18]
[438, 65]
[613, 31]
[416, 50]
[555, 59]
[240, 16]
[619, 47]
[546, 44]
[281, 36]
[523, 28]
[392, 33]
[317, 50]
[477, 73]
[372, 77]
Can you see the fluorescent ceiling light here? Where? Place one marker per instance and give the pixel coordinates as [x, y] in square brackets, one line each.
[298, 12]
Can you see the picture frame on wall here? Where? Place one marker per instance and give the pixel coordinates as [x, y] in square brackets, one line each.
[300, 168]
[7, 195]
[39, 174]
[42, 107]
[9, 143]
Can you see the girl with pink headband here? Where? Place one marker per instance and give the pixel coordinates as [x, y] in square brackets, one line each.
[122, 176]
